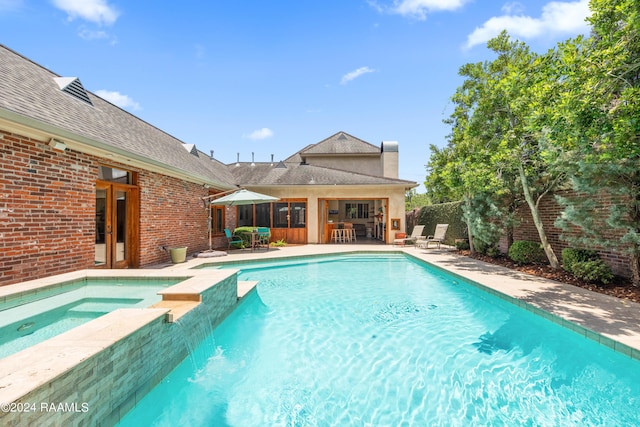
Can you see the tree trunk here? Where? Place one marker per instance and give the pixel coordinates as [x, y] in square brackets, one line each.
[469, 231]
[635, 269]
[535, 214]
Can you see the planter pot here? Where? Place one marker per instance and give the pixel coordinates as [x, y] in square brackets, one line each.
[178, 255]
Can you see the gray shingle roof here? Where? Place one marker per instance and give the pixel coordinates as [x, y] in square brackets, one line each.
[31, 91]
[268, 174]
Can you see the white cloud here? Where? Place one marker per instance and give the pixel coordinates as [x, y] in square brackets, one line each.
[418, 8]
[97, 11]
[513, 8]
[116, 98]
[557, 18]
[88, 34]
[263, 133]
[355, 74]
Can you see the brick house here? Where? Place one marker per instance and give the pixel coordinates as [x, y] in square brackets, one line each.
[85, 184]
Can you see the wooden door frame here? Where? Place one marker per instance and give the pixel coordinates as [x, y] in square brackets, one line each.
[132, 232]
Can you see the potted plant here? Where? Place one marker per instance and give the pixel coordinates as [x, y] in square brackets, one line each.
[178, 255]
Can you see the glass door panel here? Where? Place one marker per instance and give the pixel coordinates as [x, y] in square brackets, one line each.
[101, 227]
[121, 226]
[114, 227]
[298, 215]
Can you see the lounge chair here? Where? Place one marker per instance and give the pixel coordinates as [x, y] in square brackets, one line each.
[415, 235]
[232, 239]
[437, 238]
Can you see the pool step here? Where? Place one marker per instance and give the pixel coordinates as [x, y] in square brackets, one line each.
[104, 305]
[86, 314]
[245, 286]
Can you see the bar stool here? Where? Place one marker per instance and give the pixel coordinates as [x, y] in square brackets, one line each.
[337, 235]
[348, 232]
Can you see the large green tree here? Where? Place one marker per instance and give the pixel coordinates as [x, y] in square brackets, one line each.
[600, 120]
[499, 139]
[458, 171]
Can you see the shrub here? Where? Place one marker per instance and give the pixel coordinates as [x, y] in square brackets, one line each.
[594, 270]
[444, 213]
[242, 232]
[462, 244]
[486, 248]
[493, 252]
[527, 252]
[279, 243]
[571, 256]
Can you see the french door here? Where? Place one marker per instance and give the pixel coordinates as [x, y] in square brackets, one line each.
[116, 225]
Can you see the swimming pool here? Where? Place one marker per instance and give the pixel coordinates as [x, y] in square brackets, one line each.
[386, 340]
[31, 318]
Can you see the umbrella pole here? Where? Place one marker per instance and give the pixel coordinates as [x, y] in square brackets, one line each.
[209, 226]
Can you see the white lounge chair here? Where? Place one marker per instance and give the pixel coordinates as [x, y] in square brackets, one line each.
[415, 235]
[437, 238]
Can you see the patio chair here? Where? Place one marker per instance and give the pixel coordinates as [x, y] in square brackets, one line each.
[415, 235]
[437, 238]
[232, 239]
[264, 234]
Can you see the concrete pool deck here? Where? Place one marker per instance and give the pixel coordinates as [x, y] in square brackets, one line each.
[603, 318]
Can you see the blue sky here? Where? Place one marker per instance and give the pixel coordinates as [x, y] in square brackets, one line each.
[271, 77]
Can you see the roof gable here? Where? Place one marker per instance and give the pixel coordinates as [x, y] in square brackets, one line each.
[340, 143]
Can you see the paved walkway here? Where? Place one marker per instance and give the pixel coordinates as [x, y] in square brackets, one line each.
[603, 318]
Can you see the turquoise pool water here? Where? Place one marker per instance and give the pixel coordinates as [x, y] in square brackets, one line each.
[388, 341]
[35, 317]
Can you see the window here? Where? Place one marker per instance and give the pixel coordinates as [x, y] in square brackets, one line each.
[217, 219]
[106, 173]
[245, 216]
[290, 215]
[263, 215]
[281, 215]
[298, 215]
[357, 210]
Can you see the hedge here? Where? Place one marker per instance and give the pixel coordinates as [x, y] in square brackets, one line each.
[444, 213]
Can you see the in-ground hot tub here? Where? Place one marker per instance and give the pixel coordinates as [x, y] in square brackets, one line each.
[30, 317]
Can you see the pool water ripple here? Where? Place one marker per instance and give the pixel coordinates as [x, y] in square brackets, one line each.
[329, 344]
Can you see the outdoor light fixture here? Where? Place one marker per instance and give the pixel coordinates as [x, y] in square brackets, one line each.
[57, 144]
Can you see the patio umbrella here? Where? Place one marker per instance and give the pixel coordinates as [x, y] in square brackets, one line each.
[240, 197]
[243, 197]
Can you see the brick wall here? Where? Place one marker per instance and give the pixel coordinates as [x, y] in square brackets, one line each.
[550, 211]
[172, 214]
[47, 211]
